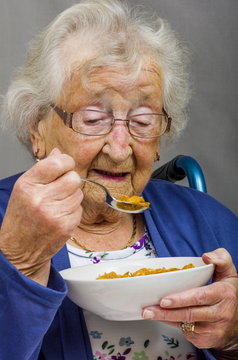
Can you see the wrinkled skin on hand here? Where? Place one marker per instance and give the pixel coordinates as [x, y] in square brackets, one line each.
[44, 208]
[213, 308]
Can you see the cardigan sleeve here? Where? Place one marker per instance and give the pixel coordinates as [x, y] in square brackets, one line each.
[27, 309]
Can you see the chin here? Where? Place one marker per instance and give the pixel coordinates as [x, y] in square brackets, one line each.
[92, 195]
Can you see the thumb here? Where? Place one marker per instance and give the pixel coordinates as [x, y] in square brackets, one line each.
[50, 168]
[223, 261]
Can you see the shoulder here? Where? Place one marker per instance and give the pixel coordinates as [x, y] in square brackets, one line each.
[6, 186]
[188, 210]
[176, 195]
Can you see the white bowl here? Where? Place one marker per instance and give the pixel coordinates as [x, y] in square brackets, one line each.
[124, 298]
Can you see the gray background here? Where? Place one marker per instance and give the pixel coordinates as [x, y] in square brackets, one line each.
[209, 28]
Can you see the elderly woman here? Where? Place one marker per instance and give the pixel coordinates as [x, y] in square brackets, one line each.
[100, 88]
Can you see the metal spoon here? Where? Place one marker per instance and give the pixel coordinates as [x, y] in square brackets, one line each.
[113, 202]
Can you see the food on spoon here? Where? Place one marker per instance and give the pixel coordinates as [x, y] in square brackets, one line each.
[137, 202]
[141, 272]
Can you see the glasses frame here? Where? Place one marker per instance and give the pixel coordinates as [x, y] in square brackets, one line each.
[68, 116]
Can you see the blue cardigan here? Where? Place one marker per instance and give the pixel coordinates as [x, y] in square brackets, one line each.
[42, 323]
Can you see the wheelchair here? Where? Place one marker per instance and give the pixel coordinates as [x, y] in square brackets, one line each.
[180, 167]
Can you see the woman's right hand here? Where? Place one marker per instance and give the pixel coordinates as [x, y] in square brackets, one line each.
[43, 210]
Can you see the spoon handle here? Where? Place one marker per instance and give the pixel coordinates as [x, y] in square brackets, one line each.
[109, 198]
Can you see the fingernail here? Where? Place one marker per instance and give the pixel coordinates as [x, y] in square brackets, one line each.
[209, 257]
[148, 314]
[165, 302]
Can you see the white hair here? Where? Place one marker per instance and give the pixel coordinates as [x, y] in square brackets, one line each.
[118, 36]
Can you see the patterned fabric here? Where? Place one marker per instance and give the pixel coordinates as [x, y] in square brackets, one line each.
[143, 247]
[136, 340]
[125, 340]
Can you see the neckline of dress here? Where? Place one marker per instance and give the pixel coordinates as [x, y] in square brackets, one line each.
[123, 253]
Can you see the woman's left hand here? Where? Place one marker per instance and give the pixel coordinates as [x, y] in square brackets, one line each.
[212, 308]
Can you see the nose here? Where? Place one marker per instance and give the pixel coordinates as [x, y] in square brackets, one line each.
[118, 142]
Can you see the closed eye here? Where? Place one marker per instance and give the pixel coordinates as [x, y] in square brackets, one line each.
[142, 120]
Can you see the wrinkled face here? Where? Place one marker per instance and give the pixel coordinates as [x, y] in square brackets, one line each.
[117, 160]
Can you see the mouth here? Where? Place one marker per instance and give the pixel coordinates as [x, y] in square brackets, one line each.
[110, 175]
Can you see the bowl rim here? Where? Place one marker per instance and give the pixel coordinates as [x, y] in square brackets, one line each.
[169, 273]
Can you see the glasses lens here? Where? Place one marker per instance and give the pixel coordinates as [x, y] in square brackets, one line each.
[148, 125]
[94, 122]
[91, 122]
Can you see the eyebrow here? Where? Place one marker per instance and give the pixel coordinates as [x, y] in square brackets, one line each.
[140, 99]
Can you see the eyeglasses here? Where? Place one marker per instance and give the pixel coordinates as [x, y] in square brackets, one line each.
[96, 123]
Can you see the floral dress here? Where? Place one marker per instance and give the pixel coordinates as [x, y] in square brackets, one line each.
[130, 340]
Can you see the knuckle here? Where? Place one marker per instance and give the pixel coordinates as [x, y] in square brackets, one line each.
[68, 158]
[224, 252]
[45, 213]
[79, 195]
[62, 227]
[226, 314]
[77, 218]
[222, 287]
[202, 296]
[59, 163]
[36, 197]
[230, 292]
[213, 314]
[189, 314]
[55, 163]
[19, 186]
[37, 206]
[164, 315]
[224, 256]
[42, 211]
[73, 178]
[225, 317]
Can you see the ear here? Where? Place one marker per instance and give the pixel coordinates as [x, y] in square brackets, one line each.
[157, 156]
[38, 142]
[157, 153]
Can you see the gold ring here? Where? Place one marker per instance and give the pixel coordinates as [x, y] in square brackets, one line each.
[187, 326]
